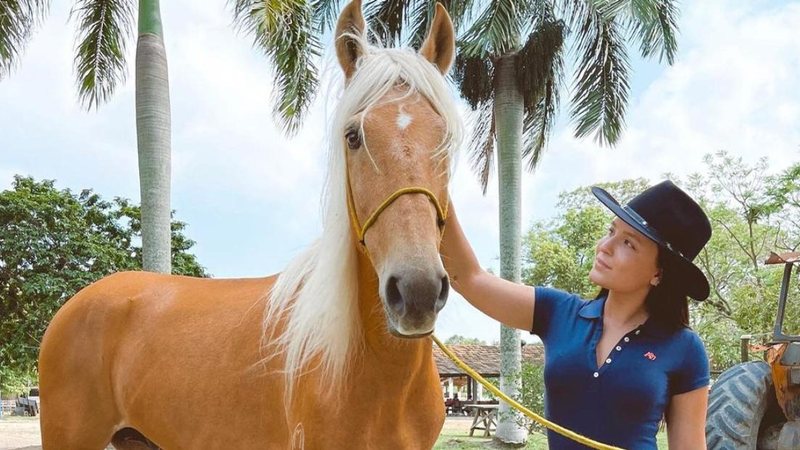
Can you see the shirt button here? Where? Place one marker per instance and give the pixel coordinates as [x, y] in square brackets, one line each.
[596, 374]
[619, 348]
[638, 331]
[608, 361]
[627, 339]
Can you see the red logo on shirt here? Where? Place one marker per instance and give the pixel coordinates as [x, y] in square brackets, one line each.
[650, 355]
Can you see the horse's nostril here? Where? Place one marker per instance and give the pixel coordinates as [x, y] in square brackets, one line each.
[393, 296]
[443, 293]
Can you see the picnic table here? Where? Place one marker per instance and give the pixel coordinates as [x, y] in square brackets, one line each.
[484, 416]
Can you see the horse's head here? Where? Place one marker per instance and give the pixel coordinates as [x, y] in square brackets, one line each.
[397, 139]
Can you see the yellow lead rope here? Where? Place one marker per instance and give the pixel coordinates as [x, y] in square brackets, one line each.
[494, 390]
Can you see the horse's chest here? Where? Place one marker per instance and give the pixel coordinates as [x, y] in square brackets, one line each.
[378, 416]
[377, 425]
[378, 408]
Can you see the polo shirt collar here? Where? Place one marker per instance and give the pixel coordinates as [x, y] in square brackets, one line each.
[593, 309]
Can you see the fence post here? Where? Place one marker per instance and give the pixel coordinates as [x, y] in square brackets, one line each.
[746, 347]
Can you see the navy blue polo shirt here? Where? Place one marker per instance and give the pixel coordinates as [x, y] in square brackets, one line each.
[621, 402]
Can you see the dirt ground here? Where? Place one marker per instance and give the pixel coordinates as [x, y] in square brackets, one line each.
[22, 433]
[19, 433]
[458, 423]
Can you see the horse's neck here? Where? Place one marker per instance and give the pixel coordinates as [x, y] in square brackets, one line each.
[379, 344]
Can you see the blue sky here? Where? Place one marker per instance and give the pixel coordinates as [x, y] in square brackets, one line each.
[251, 195]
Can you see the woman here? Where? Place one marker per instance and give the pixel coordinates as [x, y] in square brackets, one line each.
[616, 365]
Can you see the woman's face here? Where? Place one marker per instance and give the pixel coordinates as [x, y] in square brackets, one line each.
[625, 260]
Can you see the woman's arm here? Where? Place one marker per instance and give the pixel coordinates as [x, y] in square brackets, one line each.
[505, 301]
[686, 420]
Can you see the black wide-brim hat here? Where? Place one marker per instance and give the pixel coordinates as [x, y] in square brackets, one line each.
[673, 220]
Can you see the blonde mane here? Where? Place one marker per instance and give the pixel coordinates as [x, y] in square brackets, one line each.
[316, 296]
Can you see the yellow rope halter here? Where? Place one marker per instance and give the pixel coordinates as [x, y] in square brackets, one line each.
[361, 230]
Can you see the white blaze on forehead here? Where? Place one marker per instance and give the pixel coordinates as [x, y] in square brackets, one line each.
[403, 120]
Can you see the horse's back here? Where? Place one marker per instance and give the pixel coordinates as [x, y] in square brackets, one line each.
[152, 351]
[111, 311]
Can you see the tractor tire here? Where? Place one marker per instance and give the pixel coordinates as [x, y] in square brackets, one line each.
[741, 405]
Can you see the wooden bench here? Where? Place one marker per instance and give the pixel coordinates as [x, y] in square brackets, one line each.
[484, 416]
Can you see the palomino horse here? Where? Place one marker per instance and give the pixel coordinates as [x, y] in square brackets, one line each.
[331, 353]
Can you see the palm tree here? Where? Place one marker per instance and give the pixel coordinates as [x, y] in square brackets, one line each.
[509, 68]
[104, 26]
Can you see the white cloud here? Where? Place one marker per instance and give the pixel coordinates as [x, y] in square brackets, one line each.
[733, 87]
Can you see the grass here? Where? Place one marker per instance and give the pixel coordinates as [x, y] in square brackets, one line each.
[455, 436]
[462, 441]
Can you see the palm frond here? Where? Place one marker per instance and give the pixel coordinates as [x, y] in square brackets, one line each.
[420, 17]
[575, 12]
[284, 31]
[422, 13]
[539, 66]
[461, 11]
[388, 19]
[610, 8]
[654, 23]
[540, 60]
[537, 124]
[325, 13]
[406, 21]
[104, 27]
[481, 144]
[601, 88]
[496, 31]
[18, 19]
[474, 78]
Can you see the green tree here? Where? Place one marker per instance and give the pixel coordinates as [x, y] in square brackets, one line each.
[104, 27]
[752, 214]
[784, 191]
[52, 244]
[14, 381]
[457, 339]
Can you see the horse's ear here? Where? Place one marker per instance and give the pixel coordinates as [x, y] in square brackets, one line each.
[440, 45]
[351, 22]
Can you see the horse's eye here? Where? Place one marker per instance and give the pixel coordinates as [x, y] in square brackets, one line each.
[353, 139]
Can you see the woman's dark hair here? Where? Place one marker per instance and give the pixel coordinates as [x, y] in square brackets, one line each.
[667, 304]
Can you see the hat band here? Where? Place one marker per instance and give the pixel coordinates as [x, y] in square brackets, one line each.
[650, 229]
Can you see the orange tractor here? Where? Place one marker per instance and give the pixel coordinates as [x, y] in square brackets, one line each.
[756, 405]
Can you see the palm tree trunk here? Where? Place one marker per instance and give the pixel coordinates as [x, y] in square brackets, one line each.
[508, 110]
[153, 137]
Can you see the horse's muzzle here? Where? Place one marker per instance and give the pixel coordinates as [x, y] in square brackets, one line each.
[413, 299]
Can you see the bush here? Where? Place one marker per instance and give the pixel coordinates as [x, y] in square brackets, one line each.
[532, 394]
[15, 382]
